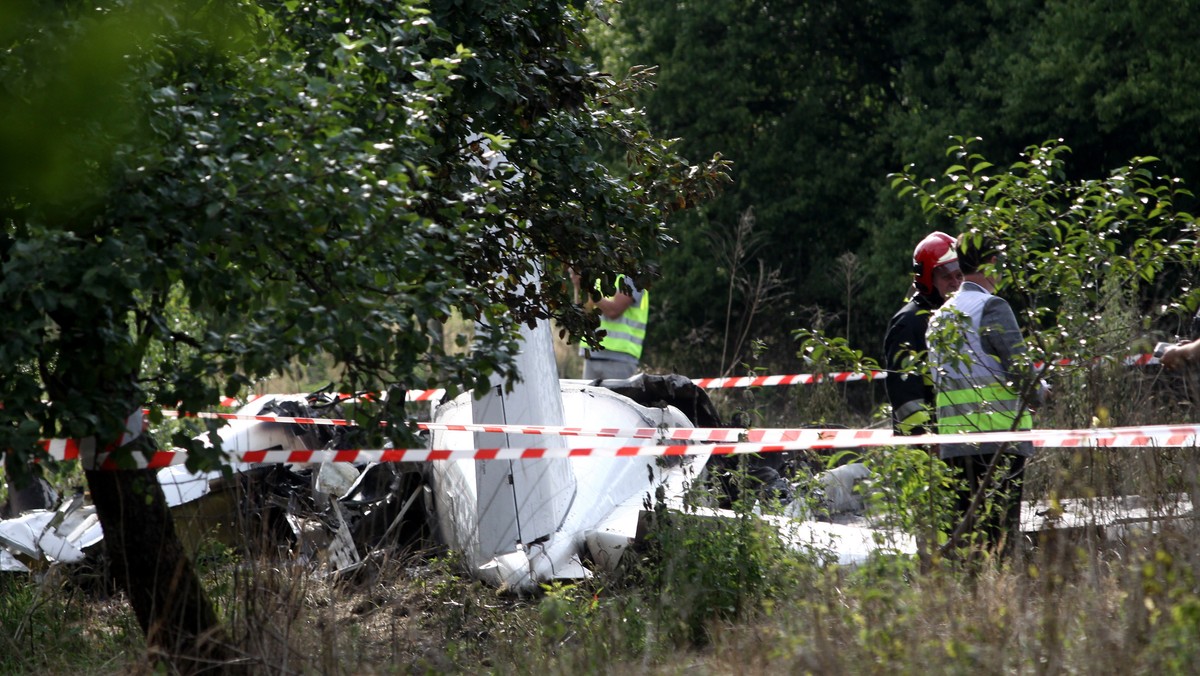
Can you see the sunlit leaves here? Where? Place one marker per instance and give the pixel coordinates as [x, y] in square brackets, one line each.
[338, 183]
[1076, 255]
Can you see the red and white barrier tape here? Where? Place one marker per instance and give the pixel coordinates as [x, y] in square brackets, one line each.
[410, 395]
[829, 438]
[73, 449]
[850, 376]
[1155, 436]
[674, 433]
[739, 381]
[797, 379]
[663, 434]
[1141, 360]
[66, 449]
[339, 422]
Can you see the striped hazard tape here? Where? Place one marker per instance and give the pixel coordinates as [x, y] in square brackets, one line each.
[1154, 436]
[851, 376]
[339, 422]
[660, 433]
[70, 449]
[796, 379]
[63, 449]
[673, 433]
[73, 449]
[409, 395]
[736, 381]
[1141, 360]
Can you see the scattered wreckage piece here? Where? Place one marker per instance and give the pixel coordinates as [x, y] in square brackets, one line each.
[326, 514]
[847, 540]
[1108, 517]
[39, 537]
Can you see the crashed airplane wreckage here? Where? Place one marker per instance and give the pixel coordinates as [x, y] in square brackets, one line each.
[517, 523]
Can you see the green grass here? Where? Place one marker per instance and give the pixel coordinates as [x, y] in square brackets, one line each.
[48, 625]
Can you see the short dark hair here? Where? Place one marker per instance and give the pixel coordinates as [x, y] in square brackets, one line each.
[975, 250]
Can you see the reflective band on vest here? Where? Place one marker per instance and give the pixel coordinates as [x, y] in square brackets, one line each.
[909, 408]
[627, 333]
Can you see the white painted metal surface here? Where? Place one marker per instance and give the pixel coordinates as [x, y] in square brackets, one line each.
[182, 485]
[606, 494]
[526, 501]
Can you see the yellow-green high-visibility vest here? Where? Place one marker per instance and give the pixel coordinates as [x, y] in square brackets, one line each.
[627, 333]
[972, 395]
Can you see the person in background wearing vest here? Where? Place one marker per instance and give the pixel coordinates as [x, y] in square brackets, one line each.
[974, 342]
[935, 277]
[623, 318]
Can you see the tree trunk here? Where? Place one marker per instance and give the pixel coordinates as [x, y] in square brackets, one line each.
[147, 559]
[149, 563]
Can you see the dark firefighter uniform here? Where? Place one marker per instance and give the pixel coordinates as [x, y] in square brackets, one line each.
[909, 384]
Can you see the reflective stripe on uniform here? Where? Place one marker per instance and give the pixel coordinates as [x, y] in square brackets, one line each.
[985, 421]
[910, 407]
[967, 393]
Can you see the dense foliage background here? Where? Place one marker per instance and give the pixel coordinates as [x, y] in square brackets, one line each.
[816, 103]
[198, 194]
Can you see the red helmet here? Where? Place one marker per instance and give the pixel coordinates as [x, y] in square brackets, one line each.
[934, 251]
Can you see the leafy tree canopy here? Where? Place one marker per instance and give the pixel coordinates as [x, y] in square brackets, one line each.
[228, 186]
[195, 194]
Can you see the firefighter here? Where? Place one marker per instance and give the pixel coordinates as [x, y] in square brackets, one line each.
[910, 392]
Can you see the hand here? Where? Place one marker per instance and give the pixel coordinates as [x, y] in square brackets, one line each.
[574, 284]
[1176, 356]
